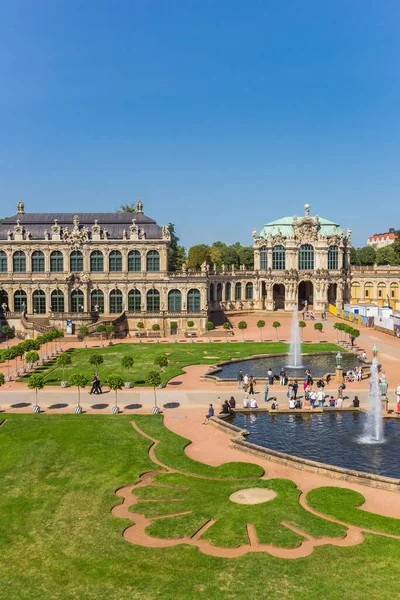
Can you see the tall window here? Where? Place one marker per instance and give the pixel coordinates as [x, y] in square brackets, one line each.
[37, 262]
[193, 301]
[153, 261]
[3, 262]
[175, 301]
[219, 292]
[57, 301]
[134, 301]
[333, 259]
[96, 262]
[115, 301]
[134, 261]
[39, 302]
[228, 291]
[263, 258]
[115, 261]
[211, 292]
[369, 290]
[278, 258]
[20, 301]
[238, 291]
[19, 262]
[97, 300]
[306, 257]
[77, 302]
[249, 291]
[76, 262]
[153, 301]
[56, 262]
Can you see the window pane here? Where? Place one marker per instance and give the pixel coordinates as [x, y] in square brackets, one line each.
[228, 291]
[306, 257]
[193, 301]
[249, 291]
[39, 302]
[115, 261]
[278, 258]
[134, 301]
[263, 258]
[19, 262]
[153, 301]
[37, 262]
[96, 262]
[76, 262]
[97, 300]
[77, 304]
[57, 301]
[174, 301]
[333, 258]
[56, 262]
[3, 262]
[134, 261]
[238, 291]
[153, 261]
[115, 301]
[20, 301]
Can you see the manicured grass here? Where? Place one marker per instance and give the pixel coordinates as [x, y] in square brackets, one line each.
[58, 540]
[179, 356]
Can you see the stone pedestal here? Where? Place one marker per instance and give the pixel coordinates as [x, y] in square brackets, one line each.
[339, 375]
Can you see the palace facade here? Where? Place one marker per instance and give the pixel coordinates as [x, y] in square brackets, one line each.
[113, 268]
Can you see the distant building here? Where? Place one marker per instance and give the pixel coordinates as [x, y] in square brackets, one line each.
[379, 240]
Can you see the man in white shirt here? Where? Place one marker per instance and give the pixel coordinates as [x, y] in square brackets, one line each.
[246, 382]
[292, 403]
[253, 403]
[320, 398]
[339, 402]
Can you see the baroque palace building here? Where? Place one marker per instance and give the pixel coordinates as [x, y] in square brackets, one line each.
[113, 267]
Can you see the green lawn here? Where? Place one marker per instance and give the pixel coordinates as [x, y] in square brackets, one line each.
[179, 356]
[59, 541]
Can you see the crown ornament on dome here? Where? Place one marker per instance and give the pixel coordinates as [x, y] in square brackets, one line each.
[139, 208]
[307, 210]
[21, 208]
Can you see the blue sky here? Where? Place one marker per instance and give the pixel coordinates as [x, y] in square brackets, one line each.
[221, 115]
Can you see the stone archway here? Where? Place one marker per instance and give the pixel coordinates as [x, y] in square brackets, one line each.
[306, 294]
[332, 293]
[278, 294]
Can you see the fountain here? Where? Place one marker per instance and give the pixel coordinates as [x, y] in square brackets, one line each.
[373, 432]
[295, 342]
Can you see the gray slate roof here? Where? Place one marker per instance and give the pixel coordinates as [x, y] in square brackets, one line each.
[115, 223]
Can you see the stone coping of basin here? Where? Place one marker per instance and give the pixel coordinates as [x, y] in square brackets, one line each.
[364, 478]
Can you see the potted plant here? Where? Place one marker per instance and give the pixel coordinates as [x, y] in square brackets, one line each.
[6, 329]
[101, 328]
[79, 380]
[153, 379]
[127, 362]
[242, 325]
[261, 325]
[8, 355]
[209, 326]
[36, 382]
[227, 327]
[156, 327]
[115, 382]
[64, 360]
[318, 327]
[110, 331]
[302, 324]
[31, 357]
[84, 331]
[276, 326]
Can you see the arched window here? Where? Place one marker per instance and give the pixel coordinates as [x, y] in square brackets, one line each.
[333, 258]
[249, 291]
[134, 261]
[369, 290]
[228, 291]
[115, 261]
[76, 262]
[238, 291]
[37, 262]
[77, 302]
[3, 262]
[263, 258]
[56, 262]
[39, 302]
[19, 301]
[153, 261]
[211, 292]
[134, 301]
[115, 301]
[306, 257]
[394, 290]
[278, 258]
[355, 290]
[96, 262]
[153, 301]
[97, 300]
[219, 292]
[174, 301]
[193, 301]
[381, 291]
[57, 301]
[19, 262]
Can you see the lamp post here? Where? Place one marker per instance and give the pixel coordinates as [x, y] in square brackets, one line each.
[339, 369]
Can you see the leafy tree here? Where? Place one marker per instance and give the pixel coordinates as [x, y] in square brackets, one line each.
[161, 361]
[318, 327]
[78, 380]
[216, 256]
[354, 256]
[366, 256]
[242, 325]
[110, 330]
[226, 325]
[115, 383]
[209, 325]
[127, 362]
[101, 328]
[6, 330]
[245, 255]
[155, 327]
[8, 355]
[84, 331]
[190, 323]
[153, 379]
[64, 360]
[197, 255]
[140, 325]
[96, 360]
[2, 378]
[387, 256]
[31, 356]
[261, 325]
[276, 326]
[176, 253]
[127, 208]
[36, 382]
[302, 324]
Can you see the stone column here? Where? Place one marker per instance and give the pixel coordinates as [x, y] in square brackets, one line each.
[106, 292]
[269, 298]
[256, 259]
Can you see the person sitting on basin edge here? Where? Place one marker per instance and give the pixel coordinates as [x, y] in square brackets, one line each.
[356, 402]
[232, 403]
[226, 409]
[332, 402]
[253, 403]
[209, 414]
[246, 401]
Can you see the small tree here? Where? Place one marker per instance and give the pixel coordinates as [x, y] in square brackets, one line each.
[242, 325]
[101, 328]
[115, 382]
[64, 360]
[79, 380]
[31, 356]
[261, 325]
[318, 327]
[18, 352]
[276, 325]
[110, 330]
[153, 379]
[173, 326]
[36, 382]
[190, 324]
[96, 360]
[127, 362]
[227, 327]
[302, 324]
[6, 329]
[8, 355]
[209, 325]
[161, 361]
[155, 327]
[84, 331]
[140, 325]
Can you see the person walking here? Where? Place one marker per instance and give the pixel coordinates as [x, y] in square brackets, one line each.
[282, 376]
[94, 389]
[98, 384]
[295, 388]
[270, 376]
[252, 383]
[321, 397]
[246, 383]
[240, 379]
[266, 389]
